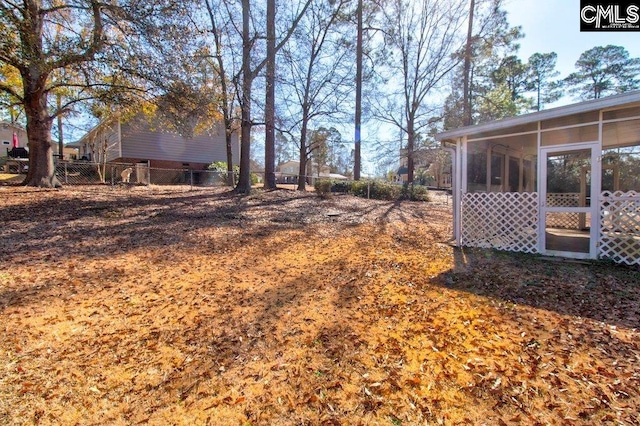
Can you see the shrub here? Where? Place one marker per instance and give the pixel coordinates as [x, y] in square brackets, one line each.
[385, 191]
[255, 179]
[323, 188]
[374, 189]
[415, 192]
[341, 186]
[220, 167]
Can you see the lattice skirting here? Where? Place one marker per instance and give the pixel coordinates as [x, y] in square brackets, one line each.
[620, 227]
[563, 220]
[501, 220]
[509, 221]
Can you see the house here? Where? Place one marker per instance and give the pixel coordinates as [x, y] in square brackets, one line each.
[287, 172]
[69, 152]
[143, 139]
[7, 130]
[432, 167]
[565, 181]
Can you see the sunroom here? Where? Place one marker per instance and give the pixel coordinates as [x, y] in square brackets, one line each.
[560, 182]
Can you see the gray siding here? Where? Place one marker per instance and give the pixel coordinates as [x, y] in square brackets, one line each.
[93, 142]
[138, 141]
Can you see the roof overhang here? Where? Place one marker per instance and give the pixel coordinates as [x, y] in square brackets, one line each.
[579, 108]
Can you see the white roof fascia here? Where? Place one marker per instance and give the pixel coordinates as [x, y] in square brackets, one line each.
[579, 108]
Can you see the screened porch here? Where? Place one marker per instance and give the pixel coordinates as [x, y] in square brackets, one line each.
[562, 182]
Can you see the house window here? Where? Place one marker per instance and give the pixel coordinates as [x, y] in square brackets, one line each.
[6, 143]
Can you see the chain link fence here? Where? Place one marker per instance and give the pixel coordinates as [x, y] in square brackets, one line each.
[85, 173]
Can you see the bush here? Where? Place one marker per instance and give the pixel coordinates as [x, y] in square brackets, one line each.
[341, 186]
[375, 189]
[323, 188]
[415, 192]
[255, 179]
[220, 167]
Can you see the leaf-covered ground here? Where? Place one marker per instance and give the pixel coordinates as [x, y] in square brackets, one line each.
[139, 306]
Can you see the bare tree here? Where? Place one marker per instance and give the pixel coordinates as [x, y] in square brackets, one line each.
[358, 113]
[466, 102]
[249, 73]
[421, 37]
[317, 78]
[270, 99]
[227, 101]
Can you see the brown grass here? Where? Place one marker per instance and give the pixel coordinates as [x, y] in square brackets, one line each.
[157, 307]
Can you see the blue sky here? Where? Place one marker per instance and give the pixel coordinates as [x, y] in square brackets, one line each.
[554, 26]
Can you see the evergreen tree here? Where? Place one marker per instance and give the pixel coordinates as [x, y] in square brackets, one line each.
[541, 72]
[603, 71]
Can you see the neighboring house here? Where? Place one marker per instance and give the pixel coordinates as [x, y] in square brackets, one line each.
[287, 172]
[143, 140]
[69, 152]
[431, 165]
[564, 181]
[6, 136]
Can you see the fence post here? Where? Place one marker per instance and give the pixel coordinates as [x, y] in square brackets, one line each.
[112, 178]
[66, 174]
[368, 189]
[191, 179]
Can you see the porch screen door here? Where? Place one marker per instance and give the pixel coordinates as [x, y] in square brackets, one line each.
[568, 202]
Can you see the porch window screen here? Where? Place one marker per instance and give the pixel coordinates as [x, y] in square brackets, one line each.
[621, 156]
[570, 135]
[477, 171]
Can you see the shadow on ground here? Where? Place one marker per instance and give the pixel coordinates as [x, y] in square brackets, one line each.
[595, 290]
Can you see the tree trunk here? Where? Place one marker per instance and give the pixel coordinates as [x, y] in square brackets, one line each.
[60, 134]
[410, 150]
[225, 102]
[244, 181]
[302, 171]
[228, 139]
[358, 115]
[466, 119]
[41, 168]
[269, 108]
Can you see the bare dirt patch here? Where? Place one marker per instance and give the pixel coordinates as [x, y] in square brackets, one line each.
[139, 306]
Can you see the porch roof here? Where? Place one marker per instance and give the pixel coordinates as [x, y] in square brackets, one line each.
[563, 111]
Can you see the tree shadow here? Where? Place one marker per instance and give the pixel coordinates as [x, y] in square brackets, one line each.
[52, 229]
[596, 290]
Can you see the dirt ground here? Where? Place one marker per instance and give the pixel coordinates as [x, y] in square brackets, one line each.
[123, 306]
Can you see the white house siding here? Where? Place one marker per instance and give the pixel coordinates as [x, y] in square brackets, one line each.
[6, 137]
[150, 145]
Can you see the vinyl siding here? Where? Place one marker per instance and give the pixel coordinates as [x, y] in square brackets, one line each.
[6, 137]
[140, 142]
[104, 131]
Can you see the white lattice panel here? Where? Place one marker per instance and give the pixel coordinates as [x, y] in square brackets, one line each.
[563, 200]
[620, 227]
[563, 220]
[501, 220]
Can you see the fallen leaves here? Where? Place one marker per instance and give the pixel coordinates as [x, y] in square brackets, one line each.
[207, 307]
